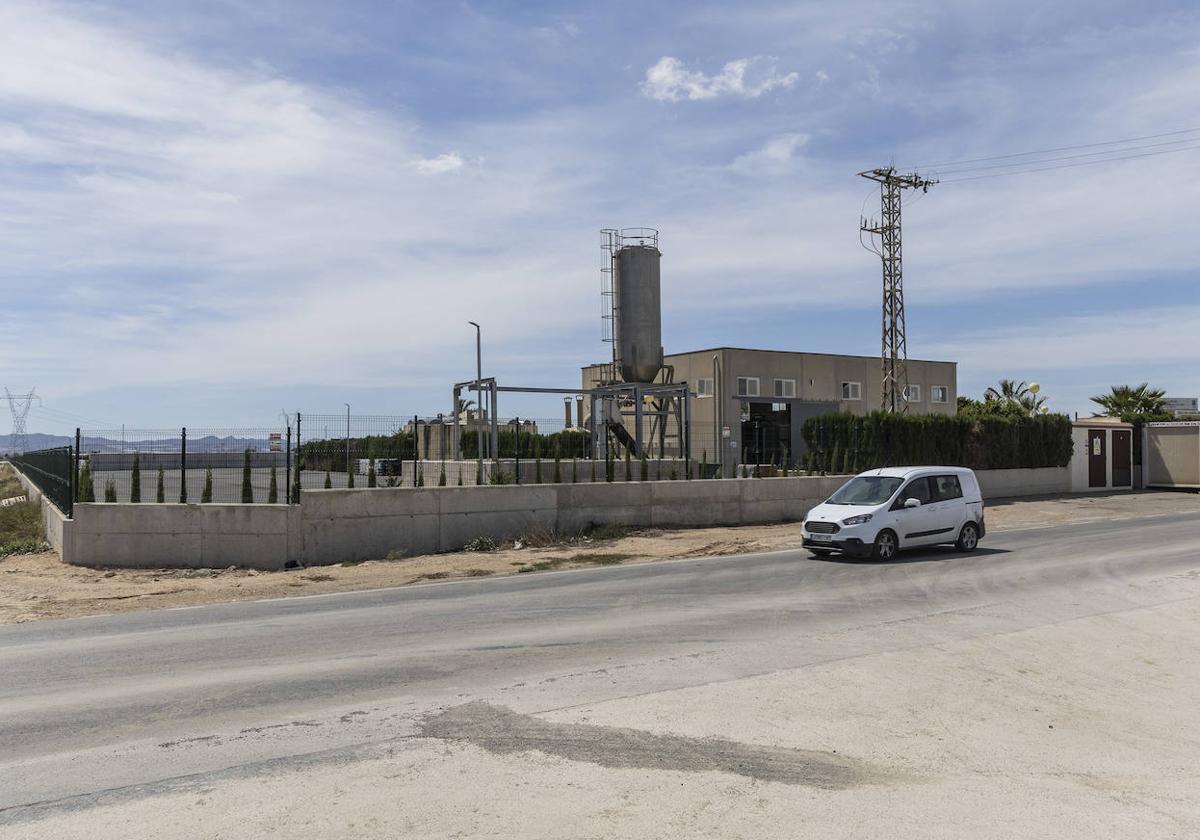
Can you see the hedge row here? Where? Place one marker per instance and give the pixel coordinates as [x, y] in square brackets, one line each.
[849, 443]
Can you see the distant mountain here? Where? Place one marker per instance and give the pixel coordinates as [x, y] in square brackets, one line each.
[206, 443]
[37, 441]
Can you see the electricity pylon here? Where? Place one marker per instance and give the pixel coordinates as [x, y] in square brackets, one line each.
[19, 404]
[894, 353]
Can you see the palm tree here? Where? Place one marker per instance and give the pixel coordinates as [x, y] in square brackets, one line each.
[1013, 393]
[462, 406]
[1131, 404]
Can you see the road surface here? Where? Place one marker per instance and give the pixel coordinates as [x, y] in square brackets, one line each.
[115, 710]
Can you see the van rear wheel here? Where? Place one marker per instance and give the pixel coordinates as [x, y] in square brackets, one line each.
[968, 537]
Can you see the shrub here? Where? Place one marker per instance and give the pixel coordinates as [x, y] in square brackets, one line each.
[206, 493]
[372, 478]
[110, 491]
[247, 485]
[981, 442]
[135, 480]
[557, 477]
[645, 469]
[537, 470]
[328, 480]
[351, 468]
[273, 490]
[628, 472]
[442, 476]
[160, 495]
[574, 470]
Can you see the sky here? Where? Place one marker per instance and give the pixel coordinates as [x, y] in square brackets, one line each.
[212, 212]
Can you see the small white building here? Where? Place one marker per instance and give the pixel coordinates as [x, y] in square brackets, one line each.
[1103, 455]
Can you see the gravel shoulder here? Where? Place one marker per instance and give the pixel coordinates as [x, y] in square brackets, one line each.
[40, 586]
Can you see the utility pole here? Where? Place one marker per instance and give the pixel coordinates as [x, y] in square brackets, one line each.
[894, 353]
[19, 404]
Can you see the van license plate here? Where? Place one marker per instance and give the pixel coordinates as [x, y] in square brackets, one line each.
[821, 537]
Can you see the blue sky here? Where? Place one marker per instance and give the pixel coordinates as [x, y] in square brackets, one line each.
[212, 211]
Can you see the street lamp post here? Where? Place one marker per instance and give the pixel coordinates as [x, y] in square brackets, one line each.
[478, 400]
[349, 480]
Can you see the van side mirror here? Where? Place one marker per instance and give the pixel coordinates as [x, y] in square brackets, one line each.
[912, 503]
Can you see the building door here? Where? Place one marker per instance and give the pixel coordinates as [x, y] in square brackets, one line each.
[1122, 458]
[1097, 463]
[766, 433]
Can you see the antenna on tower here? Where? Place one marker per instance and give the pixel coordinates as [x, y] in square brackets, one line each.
[894, 355]
[19, 404]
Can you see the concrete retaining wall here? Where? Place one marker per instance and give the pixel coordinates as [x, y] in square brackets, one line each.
[183, 536]
[336, 526]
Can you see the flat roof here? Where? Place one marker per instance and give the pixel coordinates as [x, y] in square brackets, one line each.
[786, 352]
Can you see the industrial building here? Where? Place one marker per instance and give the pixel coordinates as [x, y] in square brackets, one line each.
[756, 401]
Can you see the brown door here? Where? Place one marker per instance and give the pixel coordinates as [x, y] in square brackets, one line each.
[1122, 458]
[1097, 463]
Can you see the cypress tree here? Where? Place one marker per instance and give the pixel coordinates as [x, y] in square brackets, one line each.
[110, 491]
[161, 495]
[574, 470]
[537, 469]
[273, 490]
[135, 480]
[557, 464]
[460, 484]
[645, 469]
[328, 480]
[372, 478]
[593, 460]
[704, 463]
[420, 476]
[442, 475]
[89, 489]
[206, 493]
[351, 469]
[628, 471]
[247, 486]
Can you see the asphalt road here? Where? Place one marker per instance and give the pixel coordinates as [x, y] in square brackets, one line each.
[113, 708]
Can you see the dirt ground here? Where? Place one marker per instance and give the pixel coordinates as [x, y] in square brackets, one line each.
[40, 586]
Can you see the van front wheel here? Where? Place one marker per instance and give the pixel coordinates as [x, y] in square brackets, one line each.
[968, 537]
[885, 547]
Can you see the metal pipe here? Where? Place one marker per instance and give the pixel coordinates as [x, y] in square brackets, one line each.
[348, 479]
[478, 397]
[718, 443]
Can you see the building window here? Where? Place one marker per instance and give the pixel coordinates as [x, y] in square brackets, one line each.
[785, 387]
[704, 387]
[939, 394]
[852, 390]
[747, 386]
[912, 393]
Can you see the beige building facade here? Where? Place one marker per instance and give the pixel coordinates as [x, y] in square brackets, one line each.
[750, 405]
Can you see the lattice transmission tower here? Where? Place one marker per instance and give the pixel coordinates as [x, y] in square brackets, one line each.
[19, 404]
[894, 354]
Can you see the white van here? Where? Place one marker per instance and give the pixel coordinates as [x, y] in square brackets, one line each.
[884, 511]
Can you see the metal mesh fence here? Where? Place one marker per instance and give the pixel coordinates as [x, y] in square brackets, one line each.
[256, 465]
[239, 465]
[51, 471]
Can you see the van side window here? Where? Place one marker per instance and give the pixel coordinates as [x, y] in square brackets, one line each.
[946, 487]
[917, 489]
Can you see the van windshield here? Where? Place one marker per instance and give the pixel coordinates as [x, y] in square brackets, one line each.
[866, 490]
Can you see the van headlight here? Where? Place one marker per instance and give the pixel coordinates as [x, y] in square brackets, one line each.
[857, 520]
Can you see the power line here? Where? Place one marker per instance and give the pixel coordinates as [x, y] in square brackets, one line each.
[1062, 149]
[1095, 155]
[1068, 165]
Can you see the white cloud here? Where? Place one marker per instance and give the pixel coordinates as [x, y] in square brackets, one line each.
[440, 165]
[669, 80]
[773, 157]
